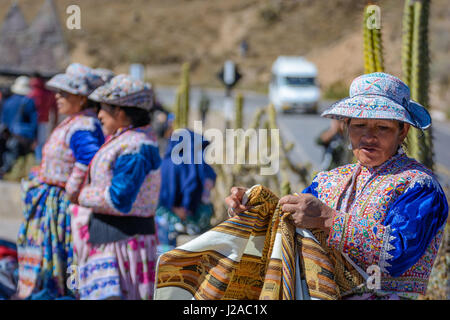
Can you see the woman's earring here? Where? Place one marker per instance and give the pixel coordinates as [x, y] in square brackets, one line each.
[350, 147]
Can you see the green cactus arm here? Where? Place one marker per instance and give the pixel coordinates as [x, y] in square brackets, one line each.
[378, 50]
[420, 76]
[239, 111]
[407, 34]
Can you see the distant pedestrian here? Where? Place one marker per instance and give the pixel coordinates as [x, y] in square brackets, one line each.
[204, 105]
[335, 144]
[243, 48]
[184, 202]
[19, 118]
[163, 127]
[45, 103]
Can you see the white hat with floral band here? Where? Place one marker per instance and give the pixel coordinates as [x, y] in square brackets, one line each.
[380, 96]
[78, 79]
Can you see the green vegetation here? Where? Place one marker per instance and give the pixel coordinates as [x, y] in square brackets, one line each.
[416, 72]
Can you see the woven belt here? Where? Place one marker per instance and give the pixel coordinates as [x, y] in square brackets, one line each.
[104, 228]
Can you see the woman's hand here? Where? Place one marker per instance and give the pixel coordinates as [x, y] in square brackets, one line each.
[234, 201]
[308, 212]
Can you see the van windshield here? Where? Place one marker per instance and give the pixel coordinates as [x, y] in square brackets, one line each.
[298, 81]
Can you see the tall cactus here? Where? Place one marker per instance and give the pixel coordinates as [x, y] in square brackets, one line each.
[187, 90]
[239, 104]
[178, 109]
[285, 187]
[287, 166]
[407, 36]
[184, 96]
[243, 146]
[257, 119]
[373, 46]
[416, 72]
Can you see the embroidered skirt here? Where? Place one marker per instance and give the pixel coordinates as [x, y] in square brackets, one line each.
[44, 243]
[123, 269]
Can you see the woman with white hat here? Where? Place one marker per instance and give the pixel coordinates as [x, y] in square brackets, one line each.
[45, 241]
[387, 210]
[114, 228]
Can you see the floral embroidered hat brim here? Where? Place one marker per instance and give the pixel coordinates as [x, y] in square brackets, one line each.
[105, 74]
[125, 91]
[78, 79]
[380, 96]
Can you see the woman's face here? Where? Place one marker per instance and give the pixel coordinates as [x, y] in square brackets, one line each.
[109, 117]
[375, 141]
[69, 104]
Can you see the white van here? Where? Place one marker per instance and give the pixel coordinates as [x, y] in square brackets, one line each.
[293, 85]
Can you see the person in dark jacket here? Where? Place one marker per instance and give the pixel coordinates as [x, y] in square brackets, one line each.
[184, 199]
[19, 121]
[45, 103]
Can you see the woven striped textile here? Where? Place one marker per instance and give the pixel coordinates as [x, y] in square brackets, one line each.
[249, 257]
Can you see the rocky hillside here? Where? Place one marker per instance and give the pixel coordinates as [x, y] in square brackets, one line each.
[163, 34]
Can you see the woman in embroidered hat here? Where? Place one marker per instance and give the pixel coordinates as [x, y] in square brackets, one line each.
[44, 242]
[386, 210]
[114, 229]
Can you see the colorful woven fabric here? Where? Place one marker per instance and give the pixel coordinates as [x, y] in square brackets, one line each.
[78, 79]
[250, 256]
[380, 96]
[227, 262]
[44, 242]
[125, 91]
[346, 280]
[122, 269]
